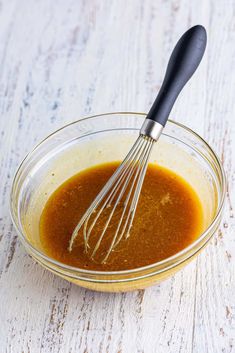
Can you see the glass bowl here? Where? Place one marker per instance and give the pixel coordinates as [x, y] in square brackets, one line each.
[103, 138]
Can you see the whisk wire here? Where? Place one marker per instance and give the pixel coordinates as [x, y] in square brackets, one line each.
[139, 174]
[138, 188]
[108, 201]
[136, 163]
[131, 209]
[102, 193]
[133, 169]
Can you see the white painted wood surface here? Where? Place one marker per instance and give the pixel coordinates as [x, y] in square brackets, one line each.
[62, 60]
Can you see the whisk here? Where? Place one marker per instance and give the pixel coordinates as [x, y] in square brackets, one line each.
[119, 197]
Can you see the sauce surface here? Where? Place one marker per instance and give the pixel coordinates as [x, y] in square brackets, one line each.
[168, 218]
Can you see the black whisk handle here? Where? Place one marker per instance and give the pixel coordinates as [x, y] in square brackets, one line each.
[183, 62]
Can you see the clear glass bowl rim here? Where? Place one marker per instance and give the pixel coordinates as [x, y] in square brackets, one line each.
[172, 259]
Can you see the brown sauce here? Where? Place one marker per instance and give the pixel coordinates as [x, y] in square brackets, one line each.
[168, 218]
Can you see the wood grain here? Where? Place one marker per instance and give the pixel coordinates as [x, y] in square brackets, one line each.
[66, 59]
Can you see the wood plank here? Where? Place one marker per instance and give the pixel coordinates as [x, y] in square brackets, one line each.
[61, 61]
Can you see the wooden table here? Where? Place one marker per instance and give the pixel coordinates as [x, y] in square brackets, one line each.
[63, 60]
